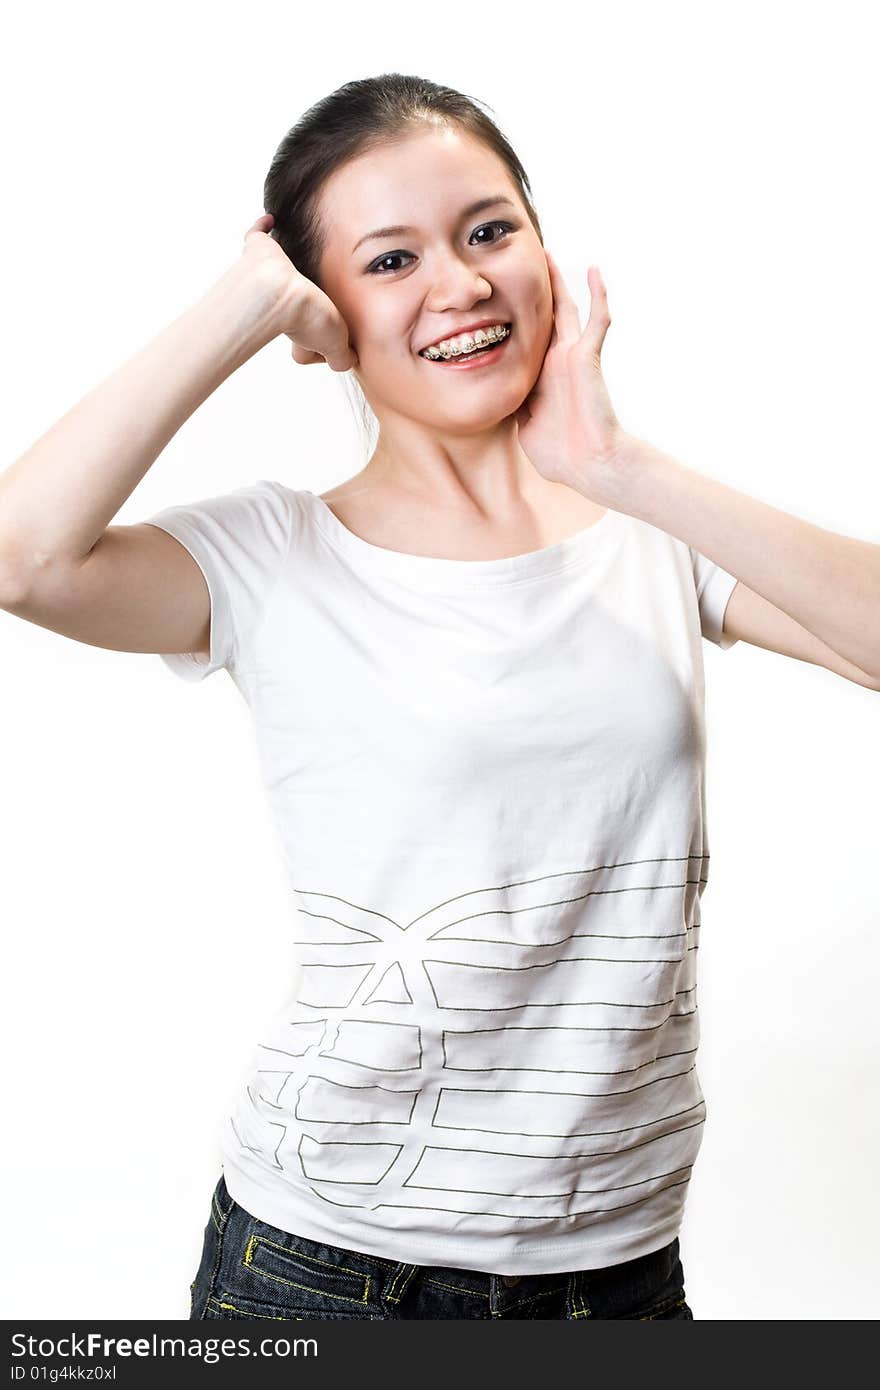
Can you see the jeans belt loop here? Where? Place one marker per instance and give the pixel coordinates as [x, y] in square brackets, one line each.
[399, 1282]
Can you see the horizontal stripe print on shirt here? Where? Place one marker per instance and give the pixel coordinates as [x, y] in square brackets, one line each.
[489, 782]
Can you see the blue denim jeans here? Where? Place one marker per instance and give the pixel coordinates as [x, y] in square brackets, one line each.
[249, 1269]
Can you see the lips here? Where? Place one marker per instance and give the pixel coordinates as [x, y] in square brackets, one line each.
[478, 358]
[470, 328]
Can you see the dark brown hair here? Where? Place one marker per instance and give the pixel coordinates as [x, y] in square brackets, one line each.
[357, 117]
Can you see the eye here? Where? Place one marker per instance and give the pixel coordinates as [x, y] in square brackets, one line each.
[377, 266]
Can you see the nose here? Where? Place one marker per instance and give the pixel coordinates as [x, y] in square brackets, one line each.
[457, 285]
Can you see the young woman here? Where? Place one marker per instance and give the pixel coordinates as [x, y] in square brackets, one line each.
[476, 678]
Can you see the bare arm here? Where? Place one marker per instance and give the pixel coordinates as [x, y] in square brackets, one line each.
[61, 495]
[135, 588]
[827, 583]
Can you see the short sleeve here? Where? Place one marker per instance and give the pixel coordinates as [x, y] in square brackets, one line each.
[239, 541]
[714, 587]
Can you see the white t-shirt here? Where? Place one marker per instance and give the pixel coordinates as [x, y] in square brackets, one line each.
[488, 778]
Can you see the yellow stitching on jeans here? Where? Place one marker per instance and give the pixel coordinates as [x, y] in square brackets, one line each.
[222, 1221]
[458, 1287]
[533, 1298]
[650, 1316]
[297, 1254]
[406, 1273]
[276, 1317]
[580, 1308]
[375, 1260]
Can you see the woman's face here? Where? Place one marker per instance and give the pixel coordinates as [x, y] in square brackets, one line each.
[451, 267]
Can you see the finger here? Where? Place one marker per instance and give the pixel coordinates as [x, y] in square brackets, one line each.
[566, 311]
[304, 356]
[262, 224]
[341, 357]
[342, 362]
[597, 323]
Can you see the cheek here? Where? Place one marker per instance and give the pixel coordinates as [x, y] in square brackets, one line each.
[380, 338]
[542, 318]
[545, 310]
[537, 295]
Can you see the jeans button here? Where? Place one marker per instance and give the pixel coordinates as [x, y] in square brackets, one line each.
[510, 1279]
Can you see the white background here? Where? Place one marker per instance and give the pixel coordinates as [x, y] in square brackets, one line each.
[718, 162]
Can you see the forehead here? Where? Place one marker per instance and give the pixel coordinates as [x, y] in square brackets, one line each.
[413, 181]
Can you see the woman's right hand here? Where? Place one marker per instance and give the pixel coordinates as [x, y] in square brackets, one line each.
[310, 318]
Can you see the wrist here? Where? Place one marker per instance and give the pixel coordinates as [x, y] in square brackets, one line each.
[630, 473]
[611, 478]
[248, 305]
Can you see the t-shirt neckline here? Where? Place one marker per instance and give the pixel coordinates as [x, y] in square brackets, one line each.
[441, 572]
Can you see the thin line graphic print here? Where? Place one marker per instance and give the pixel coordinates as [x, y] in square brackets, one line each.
[524, 1051]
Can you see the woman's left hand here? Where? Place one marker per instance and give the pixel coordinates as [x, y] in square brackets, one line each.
[567, 425]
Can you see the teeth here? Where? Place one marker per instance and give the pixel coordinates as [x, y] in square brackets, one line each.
[455, 347]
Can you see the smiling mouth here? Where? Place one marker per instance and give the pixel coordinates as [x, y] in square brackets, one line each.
[489, 351]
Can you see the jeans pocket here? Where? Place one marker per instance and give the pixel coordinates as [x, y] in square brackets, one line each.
[266, 1272]
[221, 1307]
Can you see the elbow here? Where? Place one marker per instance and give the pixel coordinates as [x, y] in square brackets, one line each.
[14, 587]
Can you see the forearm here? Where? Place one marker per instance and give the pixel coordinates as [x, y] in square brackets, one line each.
[828, 583]
[59, 497]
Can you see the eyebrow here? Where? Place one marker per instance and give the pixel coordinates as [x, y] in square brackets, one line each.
[469, 211]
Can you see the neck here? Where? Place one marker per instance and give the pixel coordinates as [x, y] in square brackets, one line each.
[488, 471]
